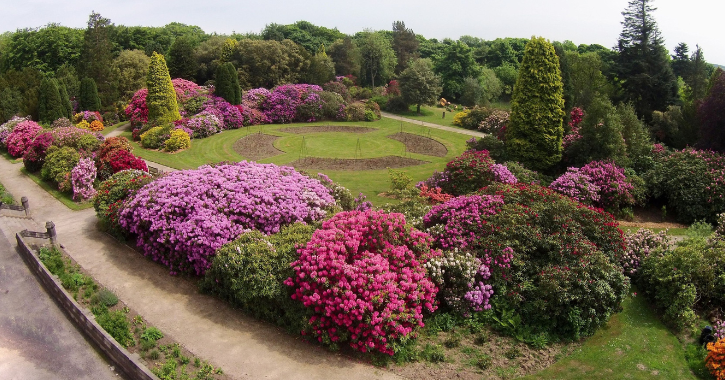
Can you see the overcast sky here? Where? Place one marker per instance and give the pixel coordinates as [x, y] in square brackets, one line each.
[581, 21]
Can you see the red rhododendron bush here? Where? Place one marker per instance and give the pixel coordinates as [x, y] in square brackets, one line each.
[362, 278]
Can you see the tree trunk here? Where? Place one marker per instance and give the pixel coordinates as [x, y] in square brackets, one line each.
[418, 105]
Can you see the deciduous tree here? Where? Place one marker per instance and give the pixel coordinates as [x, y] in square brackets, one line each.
[419, 84]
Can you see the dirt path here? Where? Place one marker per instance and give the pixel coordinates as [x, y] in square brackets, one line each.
[243, 347]
[431, 125]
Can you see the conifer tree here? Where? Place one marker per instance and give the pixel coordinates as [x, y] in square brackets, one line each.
[65, 100]
[89, 100]
[226, 83]
[643, 64]
[50, 106]
[161, 98]
[535, 130]
[97, 57]
[711, 114]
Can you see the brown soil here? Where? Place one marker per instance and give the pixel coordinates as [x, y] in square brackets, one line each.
[461, 362]
[257, 146]
[327, 128]
[651, 217]
[377, 163]
[421, 145]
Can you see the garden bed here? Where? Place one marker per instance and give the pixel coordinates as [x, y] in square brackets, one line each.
[421, 145]
[351, 164]
[257, 146]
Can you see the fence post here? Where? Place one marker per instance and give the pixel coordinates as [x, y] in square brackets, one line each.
[24, 201]
[50, 228]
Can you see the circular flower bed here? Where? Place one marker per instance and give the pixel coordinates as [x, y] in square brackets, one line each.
[183, 217]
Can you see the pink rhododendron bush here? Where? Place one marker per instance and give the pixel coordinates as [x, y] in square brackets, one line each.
[183, 217]
[362, 278]
[19, 140]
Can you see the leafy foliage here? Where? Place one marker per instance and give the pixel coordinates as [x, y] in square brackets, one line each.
[161, 97]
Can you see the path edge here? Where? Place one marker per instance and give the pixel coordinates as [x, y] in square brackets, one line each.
[83, 321]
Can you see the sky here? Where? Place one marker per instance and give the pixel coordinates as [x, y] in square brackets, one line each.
[694, 22]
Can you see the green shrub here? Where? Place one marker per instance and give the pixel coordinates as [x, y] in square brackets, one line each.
[116, 325]
[331, 105]
[355, 112]
[472, 118]
[249, 272]
[52, 259]
[687, 279]
[152, 334]
[369, 115]
[58, 163]
[177, 141]
[396, 104]
[161, 98]
[524, 175]
[88, 99]
[111, 195]
[495, 147]
[104, 297]
[155, 137]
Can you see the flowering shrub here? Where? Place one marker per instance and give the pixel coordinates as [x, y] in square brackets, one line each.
[252, 116]
[35, 155]
[460, 280]
[96, 126]
[575, 119]
[525, 175]
[615, 189]
[684, 279]
[119, 160]
[83, 125]
[473, 170]
[715, 360]
[577, 185]
[7, 128]
[18, 141]
[255, 97]
[87, 116]
[434, 195]
[77, 138]
[109, 145]
[355, 112]
[61, 123]
[228, 115]
[692, 182]
[640, 245]
[111, 195]
[58, 163]
[495, 123]
[392, 88]
[437, 179]
[458, 216]
[250, 272]
[564, 279]
[183, 217]
[362, 278]
[82, 177]
[179, 140]
[339, 88]
[136, 111]
[281, 106]
[185, 89]
[154, 138]
[719, 329]
[342, 195]
[203, 125]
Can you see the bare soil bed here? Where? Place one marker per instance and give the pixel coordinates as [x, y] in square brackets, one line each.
[376, 163]
[420, 144]
[651, 217]
[327, 128]
[257, 146]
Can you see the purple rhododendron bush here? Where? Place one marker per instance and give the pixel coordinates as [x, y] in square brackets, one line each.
[362, 277]
[183, 217]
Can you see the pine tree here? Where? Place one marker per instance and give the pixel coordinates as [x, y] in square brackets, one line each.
[643, 63]
[405, 45]
[711, 114]
[226, 83]
[89, 100]
[161, 98]
[50, 105]
[535, 130]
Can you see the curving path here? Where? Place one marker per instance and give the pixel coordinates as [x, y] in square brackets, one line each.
[243, 347]
[436, 126]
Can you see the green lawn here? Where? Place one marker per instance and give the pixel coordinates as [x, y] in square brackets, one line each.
[431, 114]
[10, 158]
[52, 189]
[333, 145]
[6, 197]
[633, 345]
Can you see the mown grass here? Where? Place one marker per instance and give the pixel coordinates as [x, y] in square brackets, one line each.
[332, 145]
[431, 114]
[10, 158]
[633, 345]
[65, 198]
[6, 197]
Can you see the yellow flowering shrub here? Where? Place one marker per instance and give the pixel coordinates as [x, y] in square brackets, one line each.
[458, 119]
[178, 140]
[84, 125]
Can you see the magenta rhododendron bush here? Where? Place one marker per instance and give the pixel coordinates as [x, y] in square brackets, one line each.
[362, 278]
[183, 217]
[18, 141]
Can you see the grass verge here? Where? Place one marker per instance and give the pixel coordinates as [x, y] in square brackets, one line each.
[112, 128]
[6, 197]
[633, 345]
[64, 198]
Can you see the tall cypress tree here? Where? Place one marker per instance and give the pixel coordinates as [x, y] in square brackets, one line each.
[161, 98]
[643, 64]
[50, 106]
[65, 100]
[226, 83]
[89, 100]
[535, 130]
